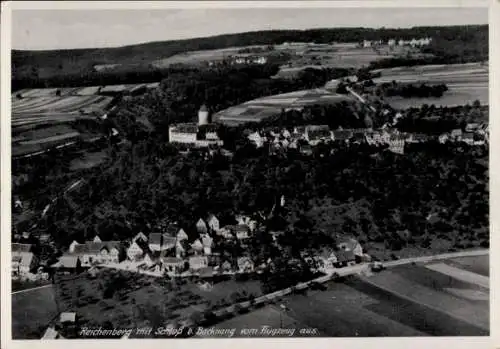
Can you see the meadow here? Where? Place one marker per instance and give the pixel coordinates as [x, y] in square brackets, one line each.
[409, 300]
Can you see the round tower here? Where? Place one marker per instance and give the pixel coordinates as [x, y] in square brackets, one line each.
[203, 116]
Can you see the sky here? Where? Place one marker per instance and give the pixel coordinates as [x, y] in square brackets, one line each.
[67, 29]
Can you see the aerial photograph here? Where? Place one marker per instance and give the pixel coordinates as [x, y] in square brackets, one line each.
[250, 172]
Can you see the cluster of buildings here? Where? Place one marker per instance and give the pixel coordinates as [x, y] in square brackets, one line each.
[304, 138]
[240, 60]
[168, 251]
[395, 42]
[203, 134]
[347, 252]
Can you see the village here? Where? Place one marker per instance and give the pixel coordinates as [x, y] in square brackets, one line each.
[169, 252]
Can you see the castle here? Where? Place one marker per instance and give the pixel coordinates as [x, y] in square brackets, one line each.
[201, 134]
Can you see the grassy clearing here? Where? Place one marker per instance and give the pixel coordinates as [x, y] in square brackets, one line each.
[474, 314]
[479, 265]
[415, 315]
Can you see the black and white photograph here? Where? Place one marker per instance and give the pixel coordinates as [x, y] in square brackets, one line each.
[248, 171]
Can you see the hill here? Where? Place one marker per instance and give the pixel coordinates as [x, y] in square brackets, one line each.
[43, 67]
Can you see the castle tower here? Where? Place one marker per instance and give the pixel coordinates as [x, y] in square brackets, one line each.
[203, 116]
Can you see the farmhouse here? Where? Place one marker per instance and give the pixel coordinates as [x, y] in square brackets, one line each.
[97, 252]
[345, 258]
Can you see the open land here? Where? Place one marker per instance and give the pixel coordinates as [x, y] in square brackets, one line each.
[410, 300]
[32, 311]
[261, 108]
[466, 83]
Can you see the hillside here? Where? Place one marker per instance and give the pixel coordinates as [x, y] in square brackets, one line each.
[454, 42]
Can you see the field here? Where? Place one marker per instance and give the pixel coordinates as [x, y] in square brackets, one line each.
[261, 108]
[126, 299]
[411, 300]
[40, 119]
[466, 83]
[32, 311]
[204, 56]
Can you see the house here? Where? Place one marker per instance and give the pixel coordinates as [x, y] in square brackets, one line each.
[299, 131]
[328, 260]
[160, 242]
[68, 263]
[134, 251]
[391, 42]
[181, 235]
[140, 237]
[51, 333]
[472, 127]
[213, 222]
[97, 239]
[397, 144]
[97, 252]
[201, 226]
[23, 260]
[173, 264]
[197, 246]
[198, 262]
[468, 138]
[456, 134]
[443, 138]
[345, 258]
[245, 265]
[257, 138]
[67, 317]
[367, 43]
[241, 231]
[351, 245]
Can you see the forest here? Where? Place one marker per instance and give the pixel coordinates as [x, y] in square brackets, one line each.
[410, 90]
